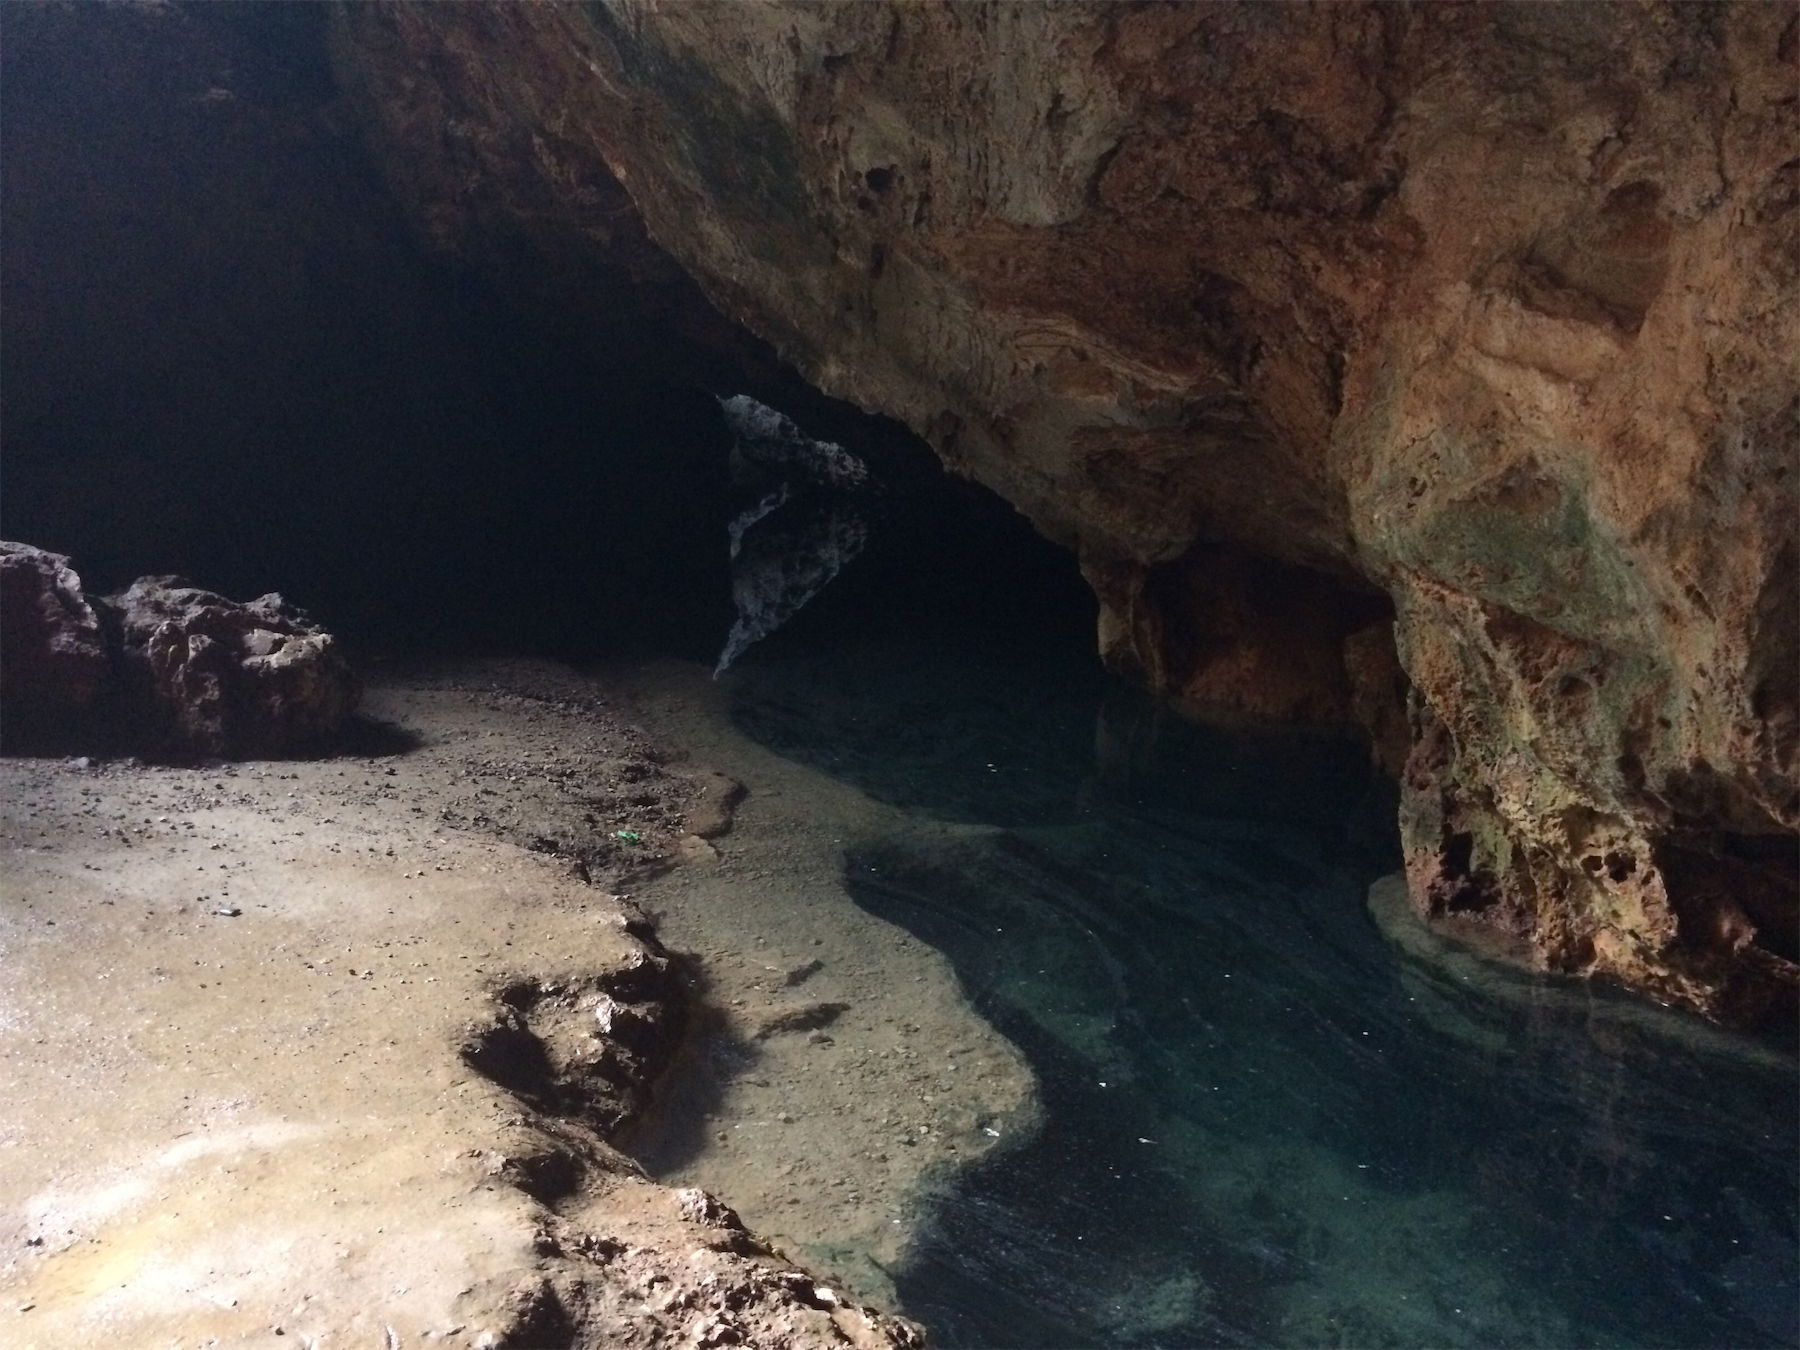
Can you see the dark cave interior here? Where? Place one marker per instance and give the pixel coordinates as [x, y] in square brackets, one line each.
[233, 347]
[226, 354]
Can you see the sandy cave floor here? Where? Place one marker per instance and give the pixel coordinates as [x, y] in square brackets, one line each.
[232, 1104]
[823, 1138]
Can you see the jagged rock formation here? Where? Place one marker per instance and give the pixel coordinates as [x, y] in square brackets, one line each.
[203, 675]
[800, 526]
[161, 667]
[1484, 312]
[52, 655]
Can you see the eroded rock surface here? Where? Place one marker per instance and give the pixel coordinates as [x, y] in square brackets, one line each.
[1482, 313]
[162, 667]
[209, 676]
[52, 655]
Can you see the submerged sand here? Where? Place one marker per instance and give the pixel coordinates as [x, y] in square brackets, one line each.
[825, 1137]
[242, 1004]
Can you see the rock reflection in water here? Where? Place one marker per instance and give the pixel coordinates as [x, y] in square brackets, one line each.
[802, 525]
[1264, 1124]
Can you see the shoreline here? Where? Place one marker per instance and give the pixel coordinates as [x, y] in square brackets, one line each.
[827, 1136]
[331, 1046]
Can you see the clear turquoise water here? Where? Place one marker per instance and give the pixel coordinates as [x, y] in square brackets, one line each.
[1264, 1124]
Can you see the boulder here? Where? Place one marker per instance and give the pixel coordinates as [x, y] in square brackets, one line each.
[52, 655]
[208, 676]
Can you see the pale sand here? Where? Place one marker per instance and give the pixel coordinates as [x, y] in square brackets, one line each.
[904, 1085]
[214, 1124]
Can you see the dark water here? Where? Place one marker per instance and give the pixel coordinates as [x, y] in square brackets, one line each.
[1264, 1125]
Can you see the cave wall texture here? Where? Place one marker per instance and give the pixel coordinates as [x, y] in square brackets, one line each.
[1433, 364]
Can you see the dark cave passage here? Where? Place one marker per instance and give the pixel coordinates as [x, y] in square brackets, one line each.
[225, 355]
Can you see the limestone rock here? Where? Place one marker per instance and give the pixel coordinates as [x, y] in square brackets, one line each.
[52, 654]
[209, 676]
[1489, 309]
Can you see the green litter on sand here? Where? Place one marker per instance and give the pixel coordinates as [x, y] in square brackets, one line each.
[629, 836]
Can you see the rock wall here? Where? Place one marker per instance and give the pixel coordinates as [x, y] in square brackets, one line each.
[1290, 321]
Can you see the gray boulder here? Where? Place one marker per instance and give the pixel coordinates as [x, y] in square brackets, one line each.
[208, 676]
[53, 662]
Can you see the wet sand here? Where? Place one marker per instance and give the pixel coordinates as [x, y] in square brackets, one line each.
[839, 1069]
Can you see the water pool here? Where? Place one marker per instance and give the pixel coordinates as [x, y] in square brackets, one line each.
[1265, 1124]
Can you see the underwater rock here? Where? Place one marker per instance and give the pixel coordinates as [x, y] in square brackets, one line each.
[205, 675]
[52, 655]
[709, 815]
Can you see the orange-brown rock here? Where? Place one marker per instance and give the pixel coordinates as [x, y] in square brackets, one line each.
[1487, 308]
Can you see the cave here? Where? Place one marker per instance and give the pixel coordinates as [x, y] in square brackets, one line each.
[894, 675]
